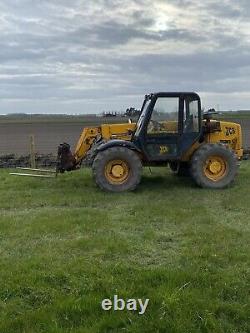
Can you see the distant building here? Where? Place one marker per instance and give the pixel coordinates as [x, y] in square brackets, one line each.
[109, 114]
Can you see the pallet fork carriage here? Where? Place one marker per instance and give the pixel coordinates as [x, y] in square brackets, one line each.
[43, 173]
[172, 130]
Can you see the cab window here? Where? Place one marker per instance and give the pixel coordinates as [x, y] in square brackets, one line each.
[164, 118]
[191, 116]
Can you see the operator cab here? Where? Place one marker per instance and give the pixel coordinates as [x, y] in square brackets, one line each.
[168, 125]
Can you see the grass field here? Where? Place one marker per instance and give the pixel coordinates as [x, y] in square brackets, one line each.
[65, 246]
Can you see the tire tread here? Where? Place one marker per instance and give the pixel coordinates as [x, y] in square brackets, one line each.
[102, 156]
[199, 155]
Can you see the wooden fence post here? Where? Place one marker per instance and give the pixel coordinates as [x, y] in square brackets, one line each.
[32, 152]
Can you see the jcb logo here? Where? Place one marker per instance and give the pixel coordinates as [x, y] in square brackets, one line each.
[163, 149]
[230, 131]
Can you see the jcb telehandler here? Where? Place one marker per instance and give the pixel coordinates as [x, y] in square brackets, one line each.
[171, 130]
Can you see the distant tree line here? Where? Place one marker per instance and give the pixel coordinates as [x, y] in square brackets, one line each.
[130, 113]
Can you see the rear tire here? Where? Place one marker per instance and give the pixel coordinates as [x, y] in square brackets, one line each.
[117, 169]
[214, 166]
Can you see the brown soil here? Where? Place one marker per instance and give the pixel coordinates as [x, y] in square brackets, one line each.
[14, 137]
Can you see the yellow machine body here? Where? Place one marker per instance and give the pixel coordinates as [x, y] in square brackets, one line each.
[228, 133]
[105, 132]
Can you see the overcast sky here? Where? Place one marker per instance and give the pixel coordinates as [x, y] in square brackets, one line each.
[83, 56]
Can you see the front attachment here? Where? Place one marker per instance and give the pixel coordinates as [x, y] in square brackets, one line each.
[42, 173]
[65, 159]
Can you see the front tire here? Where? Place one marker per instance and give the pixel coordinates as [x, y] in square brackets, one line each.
[214, 166]
[117, 169]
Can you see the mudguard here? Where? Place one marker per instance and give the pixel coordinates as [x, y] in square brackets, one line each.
[117, 143]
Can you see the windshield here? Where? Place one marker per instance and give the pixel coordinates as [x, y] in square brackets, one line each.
[142, 115]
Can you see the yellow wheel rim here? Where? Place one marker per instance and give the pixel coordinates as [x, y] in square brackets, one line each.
[117, 171]
[215, 168]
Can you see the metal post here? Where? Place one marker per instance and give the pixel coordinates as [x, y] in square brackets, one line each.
[32, 152]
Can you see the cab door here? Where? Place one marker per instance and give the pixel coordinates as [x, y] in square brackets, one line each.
[162, 132]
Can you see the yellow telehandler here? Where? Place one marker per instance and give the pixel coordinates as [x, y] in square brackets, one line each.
[171, 130]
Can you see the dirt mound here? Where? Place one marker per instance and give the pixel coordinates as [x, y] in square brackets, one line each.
[13, 161]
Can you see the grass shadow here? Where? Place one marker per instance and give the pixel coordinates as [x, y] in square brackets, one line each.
[165, 181]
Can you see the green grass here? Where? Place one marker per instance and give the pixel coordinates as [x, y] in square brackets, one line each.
[65, 246]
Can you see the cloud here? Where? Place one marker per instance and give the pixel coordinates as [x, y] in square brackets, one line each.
[82, 56]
